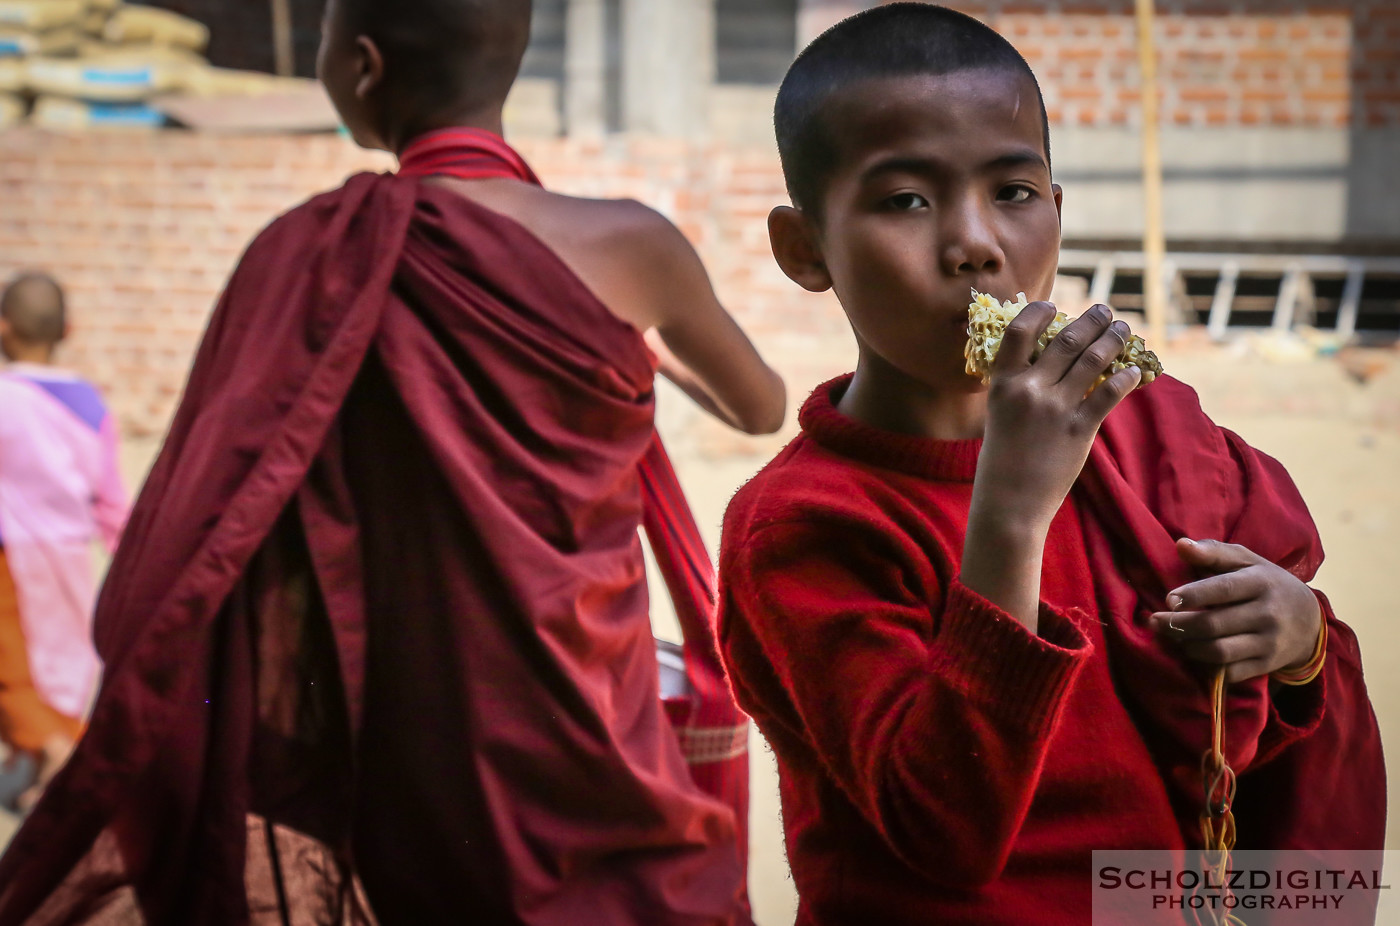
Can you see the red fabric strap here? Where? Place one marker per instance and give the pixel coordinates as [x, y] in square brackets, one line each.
[469, 154]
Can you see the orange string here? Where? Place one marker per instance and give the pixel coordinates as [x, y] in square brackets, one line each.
[1218, 782]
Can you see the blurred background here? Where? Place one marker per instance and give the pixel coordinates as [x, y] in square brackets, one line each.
[142, 146]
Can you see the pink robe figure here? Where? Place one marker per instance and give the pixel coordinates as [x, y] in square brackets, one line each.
[59, 491]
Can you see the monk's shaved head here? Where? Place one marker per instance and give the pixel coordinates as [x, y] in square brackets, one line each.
[445, 55]
[33, 307]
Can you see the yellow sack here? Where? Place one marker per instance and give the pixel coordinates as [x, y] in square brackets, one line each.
[211, 82]
[11, 110]
[156, 26]
[11, 75]
[94, 21]
[140, 54]
[38, 15]
[105, 6]
[61, 114]
[101, 81]
[15, 40]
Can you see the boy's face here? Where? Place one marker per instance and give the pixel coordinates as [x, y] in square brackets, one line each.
[941, 186]
[349, 67]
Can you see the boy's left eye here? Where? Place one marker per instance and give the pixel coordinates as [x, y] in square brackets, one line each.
[1016, 194]
[906, 202]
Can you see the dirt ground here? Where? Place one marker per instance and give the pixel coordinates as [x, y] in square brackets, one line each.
[1333, 421]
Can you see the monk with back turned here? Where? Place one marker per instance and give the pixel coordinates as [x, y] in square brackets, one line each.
[376, 641]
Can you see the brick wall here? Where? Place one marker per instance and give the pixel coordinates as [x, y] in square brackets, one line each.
[144, 229]
[1221, 62]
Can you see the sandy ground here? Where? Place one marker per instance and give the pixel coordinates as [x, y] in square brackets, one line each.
[1339, 437]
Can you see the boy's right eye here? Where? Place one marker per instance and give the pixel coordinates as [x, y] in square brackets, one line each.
[906, 202]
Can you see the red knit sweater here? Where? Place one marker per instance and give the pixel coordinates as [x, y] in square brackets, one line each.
[938, 762]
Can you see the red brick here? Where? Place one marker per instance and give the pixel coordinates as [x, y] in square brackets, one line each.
[1204, 94]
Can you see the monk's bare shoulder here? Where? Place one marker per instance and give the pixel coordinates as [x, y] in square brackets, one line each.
[637, 255]
[631, 256]
[647, 273]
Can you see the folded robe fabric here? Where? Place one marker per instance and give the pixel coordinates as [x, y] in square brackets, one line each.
[712, 730]
[407, 451]
[1309, 760]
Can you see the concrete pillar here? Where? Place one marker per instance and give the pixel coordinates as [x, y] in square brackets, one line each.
[668, 65]
[585, 68]
[816, 16]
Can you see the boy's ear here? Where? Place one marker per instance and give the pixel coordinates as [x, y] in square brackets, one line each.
[369, 66]
[1059, 194]
[796, 248]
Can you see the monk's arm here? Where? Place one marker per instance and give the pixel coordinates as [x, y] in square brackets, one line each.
[705, 352]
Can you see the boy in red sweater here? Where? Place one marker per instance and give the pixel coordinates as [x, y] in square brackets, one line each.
[969, 619]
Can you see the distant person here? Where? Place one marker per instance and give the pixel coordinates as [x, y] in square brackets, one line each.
[981, 625]
[377, 640]
[60, 493]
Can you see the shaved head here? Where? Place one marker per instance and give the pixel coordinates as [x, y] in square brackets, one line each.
[33, 307]
[893, 40]
[445, 55]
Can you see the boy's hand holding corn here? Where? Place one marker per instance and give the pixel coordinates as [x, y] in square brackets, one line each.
[1041, 421]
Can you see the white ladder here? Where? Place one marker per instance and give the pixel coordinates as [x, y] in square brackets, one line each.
[1297, 299]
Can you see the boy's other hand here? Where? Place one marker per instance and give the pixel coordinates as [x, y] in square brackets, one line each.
[1041, 417]
[1251, 616]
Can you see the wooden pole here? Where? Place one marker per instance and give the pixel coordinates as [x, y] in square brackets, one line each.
[1154, 244]
[285, 56]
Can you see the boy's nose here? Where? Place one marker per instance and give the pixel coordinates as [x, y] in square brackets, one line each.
[969, 243]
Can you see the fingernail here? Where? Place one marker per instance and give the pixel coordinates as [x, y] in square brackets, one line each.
[1188, 541]
[1174, 602]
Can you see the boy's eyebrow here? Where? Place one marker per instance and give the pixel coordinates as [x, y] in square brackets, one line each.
[933, 166]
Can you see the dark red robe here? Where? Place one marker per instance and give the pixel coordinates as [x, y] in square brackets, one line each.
[1310, 764]
[380, 614]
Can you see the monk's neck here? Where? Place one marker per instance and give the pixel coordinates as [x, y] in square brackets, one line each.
[883, 397]
[489, 120]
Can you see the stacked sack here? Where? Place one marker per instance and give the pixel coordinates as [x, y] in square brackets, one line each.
[99, 63]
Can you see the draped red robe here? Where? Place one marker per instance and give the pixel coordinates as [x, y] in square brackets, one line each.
[1310, 764]
[380, 614]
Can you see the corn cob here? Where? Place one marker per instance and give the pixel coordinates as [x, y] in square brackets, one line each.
[986, 324]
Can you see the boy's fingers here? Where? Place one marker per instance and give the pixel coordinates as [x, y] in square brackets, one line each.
[1216, 555]
[1110, 392]
[1193, 626]
[1073, 340]
[1245, 669]
[1019, 340]
[1225, 651]
[1216, 591]
[1097, 357]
